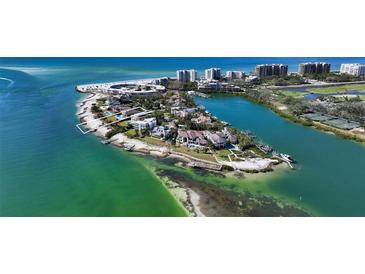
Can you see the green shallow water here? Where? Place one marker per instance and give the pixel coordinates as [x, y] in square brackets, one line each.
[48, 168]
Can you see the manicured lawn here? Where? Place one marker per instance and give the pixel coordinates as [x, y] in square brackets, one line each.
[154, 141]
[292, 93]
[193, 153]
[132, 133]
[223, 153]
[335, 89]
[258, 151]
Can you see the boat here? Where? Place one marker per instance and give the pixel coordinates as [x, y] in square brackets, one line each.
[287, 157]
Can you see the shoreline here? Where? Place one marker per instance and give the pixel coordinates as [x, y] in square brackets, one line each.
[190, 198]
[297, 120]
[186, 197]
[212, 201]
[317, 85]
[346, 135]
[137, 146]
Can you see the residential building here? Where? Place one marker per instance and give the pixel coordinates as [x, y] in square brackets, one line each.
[175, 110]
[130, 111]
[193, 75]
[252, 79]
[161, 132]
[125, 99]
[271, 70]
[231, 75]
[314, 68]
[182, 113]
[148, 123]
[209, 85]
[161, 81]
[190, 75]
[227, 87]
[353, 69]
[217, 138]
[115, 104]
[187, 137]
[230, 137]
[213, 74]
[216, 85]
[202, 119]
[182, 75]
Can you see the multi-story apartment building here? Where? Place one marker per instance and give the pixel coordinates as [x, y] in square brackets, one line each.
[186, 75]
[271, 69]
[353, 69]
[213, 74]
[231, 75]
[314, 68]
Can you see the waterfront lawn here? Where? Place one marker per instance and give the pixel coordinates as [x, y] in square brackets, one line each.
[132, 133]
[154, 141]
[337, 89]
[258, 151]
[196, 154]
[223, 153]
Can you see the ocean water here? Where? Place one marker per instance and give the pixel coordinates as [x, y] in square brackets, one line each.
[47, 168]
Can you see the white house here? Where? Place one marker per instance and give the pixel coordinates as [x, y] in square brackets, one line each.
[148, 123]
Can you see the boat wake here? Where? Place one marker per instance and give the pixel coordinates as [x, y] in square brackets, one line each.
[11, 82]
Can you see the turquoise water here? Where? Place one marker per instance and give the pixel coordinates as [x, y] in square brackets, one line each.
[48, 168]
[329, 178]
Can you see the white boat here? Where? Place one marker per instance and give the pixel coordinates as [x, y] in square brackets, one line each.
[287, 157]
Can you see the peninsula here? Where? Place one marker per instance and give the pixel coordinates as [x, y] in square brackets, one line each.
[150, 118]
[147, 117]
[159, 117]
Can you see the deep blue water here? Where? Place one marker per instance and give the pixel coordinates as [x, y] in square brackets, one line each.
[167, 66]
